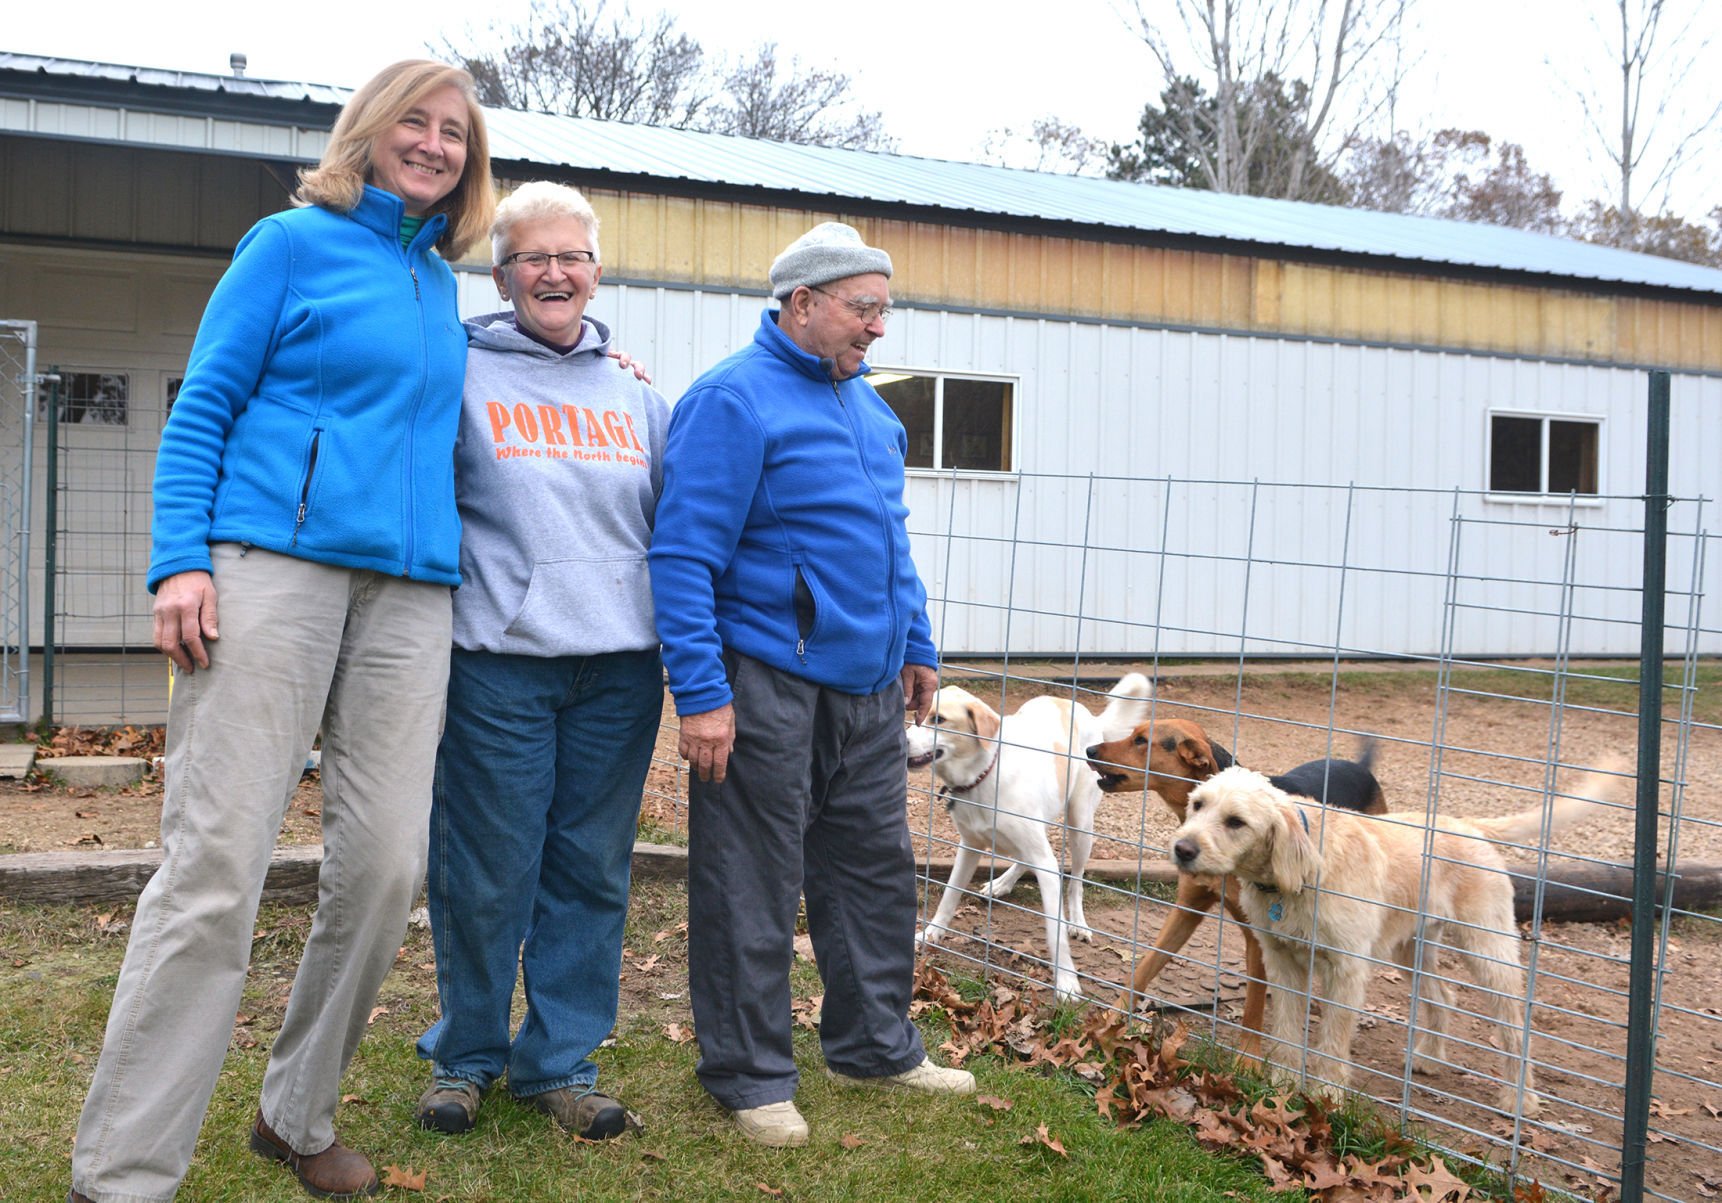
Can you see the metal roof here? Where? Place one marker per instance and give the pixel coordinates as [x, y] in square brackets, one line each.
[831, 177]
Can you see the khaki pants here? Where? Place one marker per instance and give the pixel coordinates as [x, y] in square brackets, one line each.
[366, 656]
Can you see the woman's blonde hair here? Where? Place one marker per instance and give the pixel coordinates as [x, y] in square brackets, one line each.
[540, 200]
[339, 179]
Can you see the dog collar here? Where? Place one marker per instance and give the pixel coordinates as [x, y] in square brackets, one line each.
[985, 773]
[1277, 909]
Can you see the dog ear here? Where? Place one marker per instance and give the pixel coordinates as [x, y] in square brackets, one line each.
[1196, 756]
[1293, 859]
[985, 718]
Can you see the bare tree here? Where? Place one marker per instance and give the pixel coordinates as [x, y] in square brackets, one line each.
[580, 59]
[1462, 174]
[1049, 144]
[571, 58]
[1657, 103]
[799, 104]
[1313, 46]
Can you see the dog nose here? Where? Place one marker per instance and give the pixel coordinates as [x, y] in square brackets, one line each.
[1184, 851]
[1094, 751]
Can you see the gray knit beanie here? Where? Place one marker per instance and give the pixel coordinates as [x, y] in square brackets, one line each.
[829, 251]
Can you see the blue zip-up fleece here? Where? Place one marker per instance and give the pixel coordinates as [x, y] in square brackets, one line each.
[782, 530]
[320, 405]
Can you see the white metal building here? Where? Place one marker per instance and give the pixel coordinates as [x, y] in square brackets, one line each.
[1107, 385]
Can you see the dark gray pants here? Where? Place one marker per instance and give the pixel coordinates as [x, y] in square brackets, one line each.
[814, 803]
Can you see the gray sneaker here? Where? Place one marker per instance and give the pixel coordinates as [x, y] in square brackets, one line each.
[585, 1113]
[450, 1105]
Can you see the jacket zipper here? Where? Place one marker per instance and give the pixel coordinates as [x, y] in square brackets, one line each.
[305, 489]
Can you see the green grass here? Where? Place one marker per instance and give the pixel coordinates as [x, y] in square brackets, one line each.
[57, 970]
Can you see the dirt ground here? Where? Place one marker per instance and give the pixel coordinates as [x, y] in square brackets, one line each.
[1489, 746]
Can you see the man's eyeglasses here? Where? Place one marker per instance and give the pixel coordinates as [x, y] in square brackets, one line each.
[865, 310]
[540, 260]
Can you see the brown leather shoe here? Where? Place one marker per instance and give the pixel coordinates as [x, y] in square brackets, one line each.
[336, 1173]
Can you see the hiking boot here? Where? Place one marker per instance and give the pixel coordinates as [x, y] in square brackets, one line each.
[586, 1113]
[925, 1077]
[777, 1125]
[336, 1173]
[450, 1105]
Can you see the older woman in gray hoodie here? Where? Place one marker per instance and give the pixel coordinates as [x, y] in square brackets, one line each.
[555, 687]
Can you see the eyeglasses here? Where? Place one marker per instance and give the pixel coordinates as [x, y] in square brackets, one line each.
[540, 260]
[865, 310]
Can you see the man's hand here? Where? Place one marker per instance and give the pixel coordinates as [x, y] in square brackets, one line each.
[920, 683]
[184, 618]
[706, 741]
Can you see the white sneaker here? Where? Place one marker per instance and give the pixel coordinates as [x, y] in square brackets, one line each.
[778, 1125]
[926, 1077]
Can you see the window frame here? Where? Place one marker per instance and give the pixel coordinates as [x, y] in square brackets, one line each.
[1542, 496]
[938, 376]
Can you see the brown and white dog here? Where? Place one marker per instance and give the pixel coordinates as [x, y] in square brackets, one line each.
[1171, 756]
[1331, 893]
[1007, 782]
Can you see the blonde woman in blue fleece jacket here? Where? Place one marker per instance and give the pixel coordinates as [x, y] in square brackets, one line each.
[555, 688]
[306, 479]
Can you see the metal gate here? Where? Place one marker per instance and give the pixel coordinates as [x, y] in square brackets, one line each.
[17, 431]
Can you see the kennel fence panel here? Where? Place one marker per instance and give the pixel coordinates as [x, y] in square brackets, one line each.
[1290, 577]
[17, 441]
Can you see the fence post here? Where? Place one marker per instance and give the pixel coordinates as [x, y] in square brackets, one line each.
[50, 546]
[1640, 1043]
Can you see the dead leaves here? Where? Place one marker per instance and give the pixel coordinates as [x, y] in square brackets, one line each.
[678, 1033]
[145, 742]
[1043, 1137]
[1144, 1073]
[402, 1178]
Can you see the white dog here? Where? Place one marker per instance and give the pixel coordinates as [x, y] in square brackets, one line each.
[1346, 889]
[1006, 781]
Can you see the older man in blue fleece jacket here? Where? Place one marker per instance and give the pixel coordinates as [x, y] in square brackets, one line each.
[795, 633]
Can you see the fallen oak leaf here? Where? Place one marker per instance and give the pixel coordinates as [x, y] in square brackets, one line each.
[1042, 1136]
[376, 1012]
[851, 1141]
[678, 1033]
[404, 1179]
[993, 1101]
[773, 1191]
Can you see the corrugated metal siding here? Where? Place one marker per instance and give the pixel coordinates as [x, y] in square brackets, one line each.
[727, 245]
[961, 189]
[124, 194]
[1094, 549]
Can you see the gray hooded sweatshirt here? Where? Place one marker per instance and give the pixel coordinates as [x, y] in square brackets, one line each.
[558, 467]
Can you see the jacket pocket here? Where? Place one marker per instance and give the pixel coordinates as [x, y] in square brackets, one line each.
[307, 481]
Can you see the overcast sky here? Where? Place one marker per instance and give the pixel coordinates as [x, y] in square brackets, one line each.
[943, 72]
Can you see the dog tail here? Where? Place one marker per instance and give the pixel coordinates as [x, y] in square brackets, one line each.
[1126, 706]
[1366, 753]
[1610, 784]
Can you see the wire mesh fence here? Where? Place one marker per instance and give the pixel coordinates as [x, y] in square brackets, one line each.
[1470, 643]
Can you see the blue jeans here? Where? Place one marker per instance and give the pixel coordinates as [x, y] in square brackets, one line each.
[537, 800]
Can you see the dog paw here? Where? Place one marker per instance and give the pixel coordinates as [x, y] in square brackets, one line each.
[1508, 1101]
[1067, 989]
[927, 937]
[1080, 931]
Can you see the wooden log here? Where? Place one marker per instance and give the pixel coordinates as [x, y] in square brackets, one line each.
[1603, 893]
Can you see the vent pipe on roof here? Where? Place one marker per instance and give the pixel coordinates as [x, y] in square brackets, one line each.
[237, 62]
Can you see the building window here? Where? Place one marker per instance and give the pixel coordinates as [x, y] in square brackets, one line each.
[1531, 453]
[954, 422]
[89, 398]
[173, 387]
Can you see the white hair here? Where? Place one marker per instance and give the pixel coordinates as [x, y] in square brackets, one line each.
[540, 200]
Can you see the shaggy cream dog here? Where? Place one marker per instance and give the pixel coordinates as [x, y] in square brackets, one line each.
[1329, 893]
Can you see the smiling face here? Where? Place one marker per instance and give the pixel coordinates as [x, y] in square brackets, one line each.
[420, 157]
[829, 322]
[549, 302]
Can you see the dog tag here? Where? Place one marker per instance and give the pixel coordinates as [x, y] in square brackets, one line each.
[1277, 911]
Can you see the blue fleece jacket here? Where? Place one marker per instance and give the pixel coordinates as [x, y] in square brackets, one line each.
[782, 529]
[321, 401]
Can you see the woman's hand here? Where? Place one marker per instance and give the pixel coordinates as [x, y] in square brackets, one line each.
[624, 360]
[185, 618]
